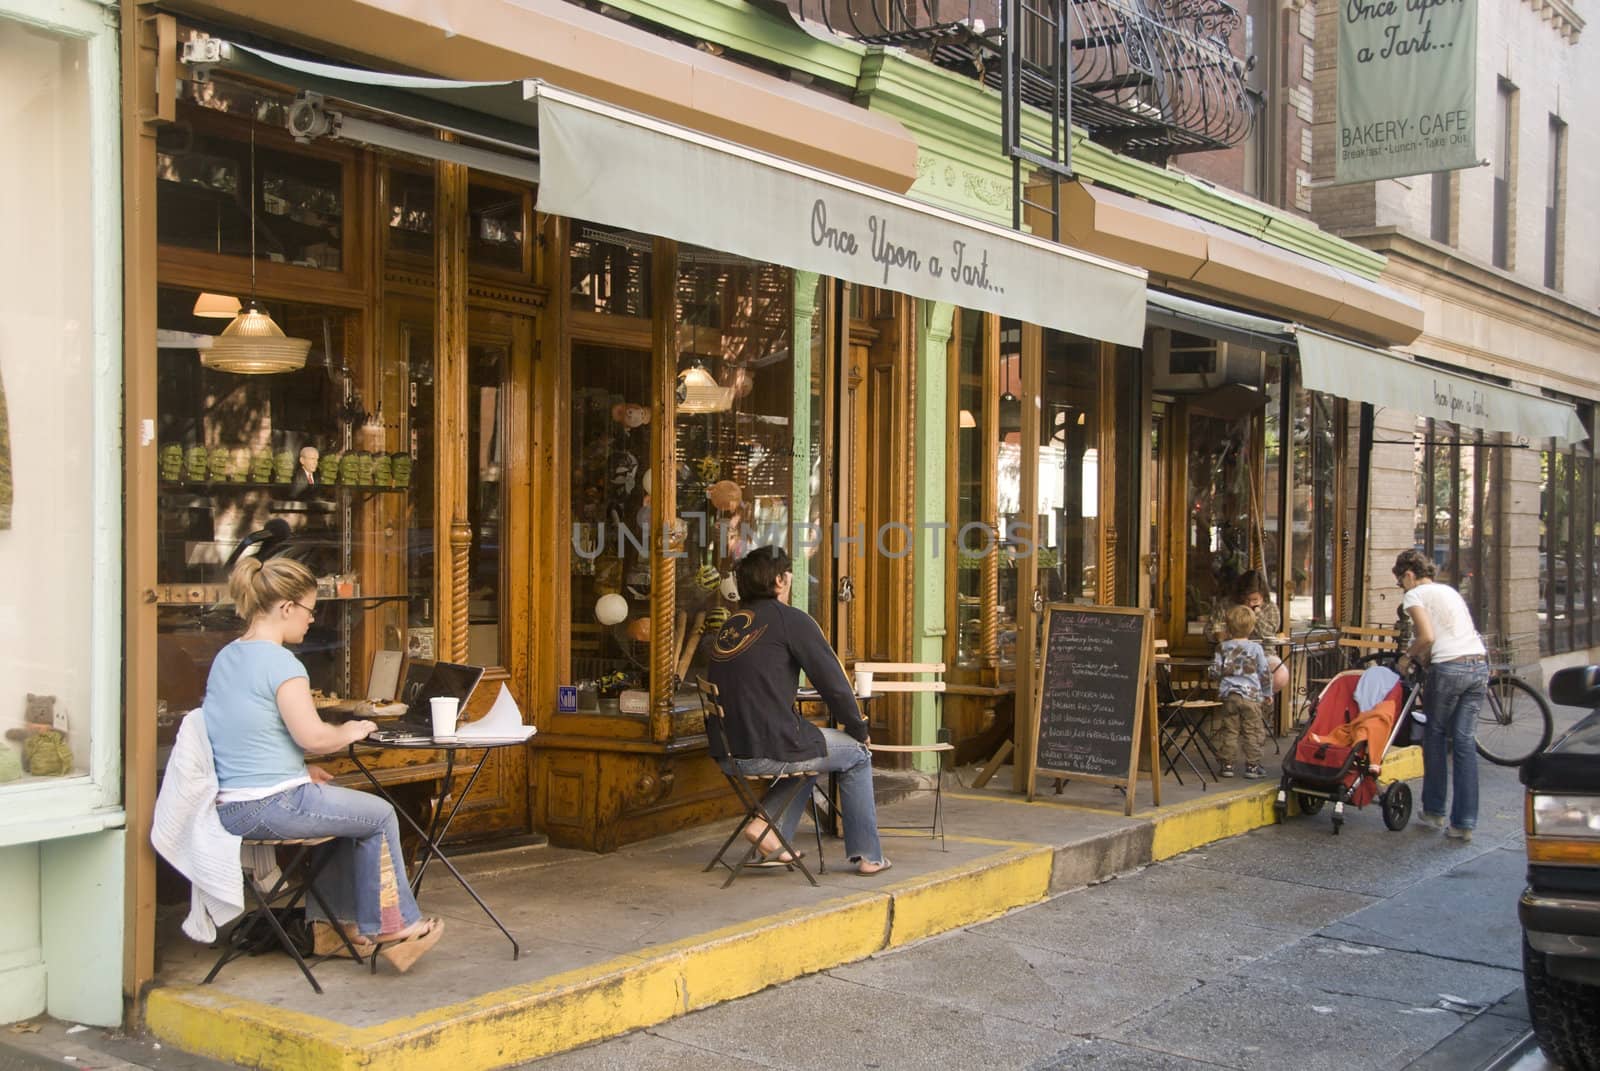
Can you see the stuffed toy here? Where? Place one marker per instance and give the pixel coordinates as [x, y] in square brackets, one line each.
[44, 745]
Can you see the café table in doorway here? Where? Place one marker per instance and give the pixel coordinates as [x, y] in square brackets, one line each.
[439, 824]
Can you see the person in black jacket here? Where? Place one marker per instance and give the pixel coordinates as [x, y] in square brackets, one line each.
[755, 663]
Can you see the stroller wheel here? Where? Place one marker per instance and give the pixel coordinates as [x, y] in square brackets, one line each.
[1396, 801]
[1309, 804]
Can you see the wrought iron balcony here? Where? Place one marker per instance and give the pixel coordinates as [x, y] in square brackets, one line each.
[1150, 78]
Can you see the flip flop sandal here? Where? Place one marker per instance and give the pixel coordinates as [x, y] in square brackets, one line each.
[773, 860]
[874, 873]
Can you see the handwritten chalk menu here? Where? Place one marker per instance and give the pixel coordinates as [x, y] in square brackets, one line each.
[1094, 673]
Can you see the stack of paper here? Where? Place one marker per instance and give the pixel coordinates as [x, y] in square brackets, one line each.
[503, 722]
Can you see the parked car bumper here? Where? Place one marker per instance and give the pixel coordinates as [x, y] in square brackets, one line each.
[1567, 929]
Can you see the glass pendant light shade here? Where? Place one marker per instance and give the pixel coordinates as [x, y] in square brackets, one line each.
[216, 306]
[699, 392]
[254, 345]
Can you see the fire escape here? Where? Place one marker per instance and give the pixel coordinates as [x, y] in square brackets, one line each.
[1147, 78]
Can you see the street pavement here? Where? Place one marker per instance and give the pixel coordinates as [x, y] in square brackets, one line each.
[1285, 947]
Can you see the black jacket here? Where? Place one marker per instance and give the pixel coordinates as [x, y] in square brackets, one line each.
[755, 663]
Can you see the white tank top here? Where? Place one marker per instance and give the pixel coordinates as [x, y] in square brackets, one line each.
[1453, 633]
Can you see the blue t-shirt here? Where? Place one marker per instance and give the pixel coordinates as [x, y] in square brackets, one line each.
[250, 744]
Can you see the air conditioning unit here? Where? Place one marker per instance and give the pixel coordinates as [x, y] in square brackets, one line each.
[1193, 364]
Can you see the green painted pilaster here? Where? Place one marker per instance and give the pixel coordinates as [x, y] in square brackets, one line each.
[81, 891]
[805, 311]
[935, 321]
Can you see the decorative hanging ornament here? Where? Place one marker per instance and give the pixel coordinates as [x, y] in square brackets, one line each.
[611, 609]
[728, 587]
[725, 494]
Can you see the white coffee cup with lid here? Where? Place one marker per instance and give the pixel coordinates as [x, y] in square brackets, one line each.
[444, 709]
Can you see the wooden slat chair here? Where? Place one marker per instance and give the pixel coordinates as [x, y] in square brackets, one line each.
[917, 678]
[298, 879]
[1358, 641]
[750, 789]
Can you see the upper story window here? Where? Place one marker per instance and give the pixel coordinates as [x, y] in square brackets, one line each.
[1505, 176]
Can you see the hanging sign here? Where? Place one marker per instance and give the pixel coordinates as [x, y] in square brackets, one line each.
[1407, 85]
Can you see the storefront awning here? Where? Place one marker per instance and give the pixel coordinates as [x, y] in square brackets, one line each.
[1384, 378]
[612, 166]
[1335, 366]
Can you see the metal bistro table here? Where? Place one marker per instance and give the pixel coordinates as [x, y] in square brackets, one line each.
[439, 825]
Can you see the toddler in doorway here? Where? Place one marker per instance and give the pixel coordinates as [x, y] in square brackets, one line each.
[1243, 678]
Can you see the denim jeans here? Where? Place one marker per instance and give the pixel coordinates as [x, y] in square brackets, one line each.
[853, 763]
[364, 881]
[1454, 696]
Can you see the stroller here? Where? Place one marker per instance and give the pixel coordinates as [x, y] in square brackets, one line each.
[1340, 754]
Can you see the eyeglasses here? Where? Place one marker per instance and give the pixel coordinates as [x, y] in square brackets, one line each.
[311, 615]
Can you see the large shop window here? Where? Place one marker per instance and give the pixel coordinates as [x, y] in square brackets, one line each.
[1459, 478]
[1569, 565]
[352, 489]
[48, 455]
[974, 487]
[746, 454]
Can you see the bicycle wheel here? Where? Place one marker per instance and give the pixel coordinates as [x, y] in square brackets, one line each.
[1515, 722]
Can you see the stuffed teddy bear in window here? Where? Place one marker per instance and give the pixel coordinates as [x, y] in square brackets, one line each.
[43, 737]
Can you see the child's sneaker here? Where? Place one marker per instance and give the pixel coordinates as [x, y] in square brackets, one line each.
[1253, 771]
[1226, 771]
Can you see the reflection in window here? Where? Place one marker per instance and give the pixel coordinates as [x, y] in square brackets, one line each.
[496, 227]
[610, 270]
[1068, 526]
[410, 215]
[486, 371]
[1008, 487]
[612, 388]
[735, 433]
[1312, 499]
[203, 199]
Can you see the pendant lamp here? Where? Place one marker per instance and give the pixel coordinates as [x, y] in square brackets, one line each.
[699, 392]
[253, 344]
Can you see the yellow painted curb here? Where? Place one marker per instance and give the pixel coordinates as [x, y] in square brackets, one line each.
[1402, 764]
[1202, 821]
[962, 895]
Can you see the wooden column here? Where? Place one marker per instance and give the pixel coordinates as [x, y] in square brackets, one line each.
[148, 43]
[665, 641]
[452, 534]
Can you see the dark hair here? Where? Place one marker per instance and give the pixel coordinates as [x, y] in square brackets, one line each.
[757, 572]
[1414, 562]
[1251, 581]
[258, 586]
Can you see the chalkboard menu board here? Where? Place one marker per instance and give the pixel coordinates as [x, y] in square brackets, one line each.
[1093, 680]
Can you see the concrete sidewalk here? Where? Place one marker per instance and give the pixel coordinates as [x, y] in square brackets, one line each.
[616, 942]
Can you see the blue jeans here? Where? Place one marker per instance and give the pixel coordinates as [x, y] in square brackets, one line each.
[1454, 695]
[849, 759]
[364, 881]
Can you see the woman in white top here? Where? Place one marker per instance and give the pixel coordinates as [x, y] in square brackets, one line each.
[262, 722]
[1455, 691]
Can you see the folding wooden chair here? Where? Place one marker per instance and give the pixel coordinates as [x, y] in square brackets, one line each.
[750, 790]
[302, 869]
[895, 672]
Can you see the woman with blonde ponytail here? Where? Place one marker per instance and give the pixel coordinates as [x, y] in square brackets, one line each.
[262, 723]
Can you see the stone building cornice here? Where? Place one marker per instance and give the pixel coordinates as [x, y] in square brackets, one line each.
[1557, 341]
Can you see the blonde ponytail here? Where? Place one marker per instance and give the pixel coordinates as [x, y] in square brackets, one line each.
[257, 586]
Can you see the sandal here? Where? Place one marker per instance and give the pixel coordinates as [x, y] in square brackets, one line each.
[877, 869]
[325, 941]
[777, 858]
[405, 951]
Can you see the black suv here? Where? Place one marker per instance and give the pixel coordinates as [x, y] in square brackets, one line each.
[1560, 909]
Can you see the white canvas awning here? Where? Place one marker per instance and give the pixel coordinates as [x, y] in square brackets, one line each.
[1349, 370]
[608, 165]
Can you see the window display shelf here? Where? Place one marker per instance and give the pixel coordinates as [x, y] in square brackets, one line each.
[353, 600]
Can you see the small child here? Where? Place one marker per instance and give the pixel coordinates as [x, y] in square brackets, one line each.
[1244, 679]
